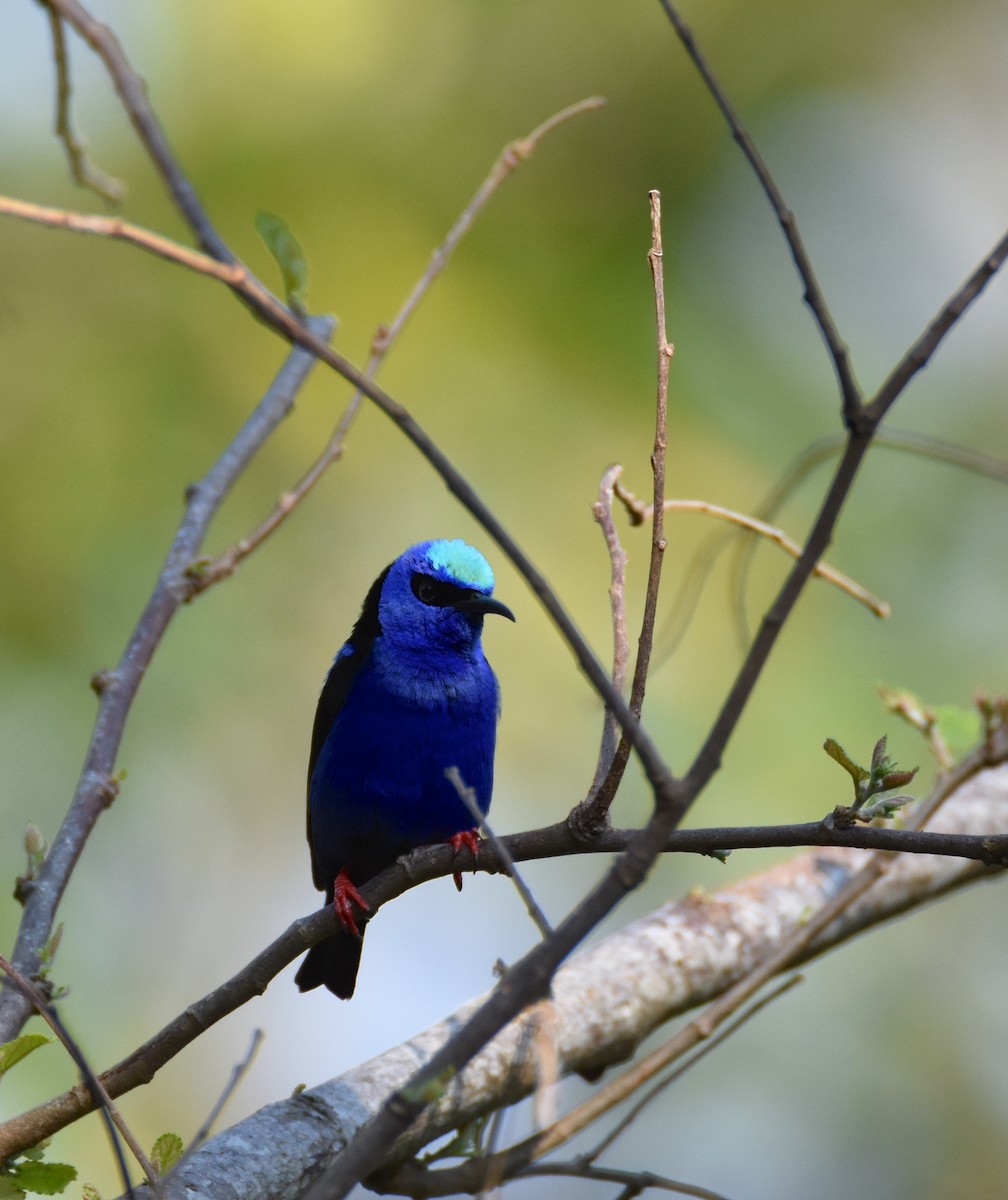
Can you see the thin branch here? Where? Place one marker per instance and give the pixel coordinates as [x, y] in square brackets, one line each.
[238, 1073]
[820, 451]
[133, 94]
[468, 797]
[99, 1095]
[84, 171]
[602, 511]
[850, 391]
[116, 229]
[664, 352]
[710, 1045]
[593, 812]
[924, 348]
[642, 512]
[634, 1182]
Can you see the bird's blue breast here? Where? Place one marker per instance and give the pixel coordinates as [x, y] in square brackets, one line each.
[379, 788]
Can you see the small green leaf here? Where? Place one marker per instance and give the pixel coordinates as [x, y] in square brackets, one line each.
[12, 1052]
[286, 249]
[90, 1192]
[840, 755]
[47, 1179]
[166, 1153]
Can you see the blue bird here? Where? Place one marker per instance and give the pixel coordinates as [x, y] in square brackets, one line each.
[409, 694]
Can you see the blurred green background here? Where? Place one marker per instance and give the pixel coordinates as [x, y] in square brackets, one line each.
[367, 125]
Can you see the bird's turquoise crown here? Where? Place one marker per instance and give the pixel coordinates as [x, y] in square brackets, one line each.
[462, 563]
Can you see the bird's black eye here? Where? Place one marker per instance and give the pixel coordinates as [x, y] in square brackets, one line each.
[435, 592]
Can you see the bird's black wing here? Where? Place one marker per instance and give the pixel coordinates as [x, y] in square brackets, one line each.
[336, 689]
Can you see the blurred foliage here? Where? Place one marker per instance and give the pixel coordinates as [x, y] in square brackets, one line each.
[366, 125]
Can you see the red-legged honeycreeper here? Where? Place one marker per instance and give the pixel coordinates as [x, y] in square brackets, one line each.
[409, 695]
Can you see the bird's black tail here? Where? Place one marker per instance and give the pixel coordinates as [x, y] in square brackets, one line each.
[332, 964]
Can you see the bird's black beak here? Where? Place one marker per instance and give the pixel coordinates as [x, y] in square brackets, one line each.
[477, 603]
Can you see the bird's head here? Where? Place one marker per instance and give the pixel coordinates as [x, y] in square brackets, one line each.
[435, 597]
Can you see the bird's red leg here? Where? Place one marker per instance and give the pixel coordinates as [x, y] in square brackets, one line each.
[469, 839]
[345, 896]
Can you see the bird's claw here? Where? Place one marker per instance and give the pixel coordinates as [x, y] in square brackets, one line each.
[467, 839]
[345, 896]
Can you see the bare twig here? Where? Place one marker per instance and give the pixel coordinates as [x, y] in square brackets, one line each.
[633, 1182]
[602, 511]
[642, 512]
[468, 798]
[93, 1084]
[116, 229]
[238, 1073]
[711, 1044]
[84, 171]
[820, 451]
[663, 355]
[923, 349]
[849, 389]
[133, 94]
[593, 812]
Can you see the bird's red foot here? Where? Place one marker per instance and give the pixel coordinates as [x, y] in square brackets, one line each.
[345, 896]
[469, 840]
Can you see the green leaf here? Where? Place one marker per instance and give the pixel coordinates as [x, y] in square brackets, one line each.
[840, 755]
[47, 1179]
[12, 1052]
[286, 249]
[166, 1153]
[90, 1192]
